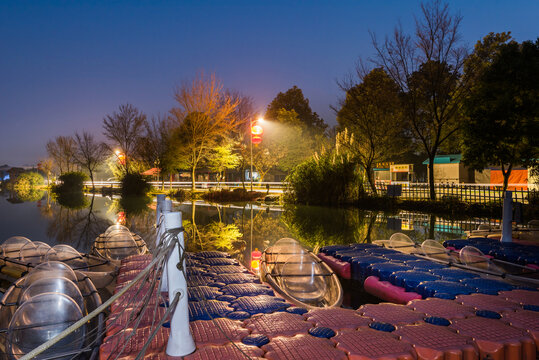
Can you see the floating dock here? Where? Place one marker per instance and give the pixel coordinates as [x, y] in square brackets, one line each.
[235, 316]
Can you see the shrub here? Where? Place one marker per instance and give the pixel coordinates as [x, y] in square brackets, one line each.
[224, 195]
[71, 182]
[178, 194]
[135, 185]
[28, 180]
[328, 179]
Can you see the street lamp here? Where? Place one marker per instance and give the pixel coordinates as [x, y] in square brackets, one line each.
[256, 138]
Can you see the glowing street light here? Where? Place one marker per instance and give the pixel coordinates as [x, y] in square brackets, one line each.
[256, 138]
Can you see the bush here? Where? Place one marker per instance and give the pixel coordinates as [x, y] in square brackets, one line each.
[29, 180]
[178, 194]
[71, 182]
[328, 179]
[224, 195]
[135, 185]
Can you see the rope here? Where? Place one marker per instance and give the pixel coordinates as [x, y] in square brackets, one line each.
[91, 315]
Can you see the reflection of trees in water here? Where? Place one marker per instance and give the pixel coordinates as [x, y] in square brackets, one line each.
[221, 234]
[29, 194]
[139, 216]
[317, 226]
[74, 226]
[267, 227]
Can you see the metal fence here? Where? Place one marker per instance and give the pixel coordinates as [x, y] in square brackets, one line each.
[471, 193]
[271, 186]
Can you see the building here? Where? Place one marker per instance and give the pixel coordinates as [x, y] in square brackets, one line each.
[449, 169]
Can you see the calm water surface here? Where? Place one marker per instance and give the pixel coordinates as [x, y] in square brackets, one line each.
[235, 228]
[238, 229]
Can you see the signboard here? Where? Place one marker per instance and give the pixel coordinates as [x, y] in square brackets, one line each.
[400, 168]
[384, 164]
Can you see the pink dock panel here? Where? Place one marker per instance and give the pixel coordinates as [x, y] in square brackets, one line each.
[437, 342]
[337, 318]
[391, 313]
[487, 302]
[365, 344]
[341, 268]
[278, 323]
[448, 309]
[526, 320]
[208, 332]
[523, 297]
[496, 339]
[301, 347]
[388, 292]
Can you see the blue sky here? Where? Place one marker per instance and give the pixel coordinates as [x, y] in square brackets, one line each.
[65, 64]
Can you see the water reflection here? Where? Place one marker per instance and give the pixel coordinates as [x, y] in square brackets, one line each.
[239, 229]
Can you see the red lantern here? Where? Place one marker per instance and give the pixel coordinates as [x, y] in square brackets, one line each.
[256, 133]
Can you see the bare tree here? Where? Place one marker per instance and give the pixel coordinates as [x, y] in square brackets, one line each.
[427, 68]
[124, 129]
[90, 153]
[46, 165]
[62, 150]
[154, 146]
[204, 116]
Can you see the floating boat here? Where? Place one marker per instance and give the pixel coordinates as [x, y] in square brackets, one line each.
[42, 304]
[19, 255]
[117, 243]
[300, 276]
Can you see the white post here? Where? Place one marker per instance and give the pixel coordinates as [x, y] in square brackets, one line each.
[166, 207]
[180, 341]
[507, 217]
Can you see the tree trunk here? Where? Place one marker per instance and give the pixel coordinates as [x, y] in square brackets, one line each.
[243, 177]
[506, 175]
[193, 170]
[92, 180]
[431, 178]
[370, 178]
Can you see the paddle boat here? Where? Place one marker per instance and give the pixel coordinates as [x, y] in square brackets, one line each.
[300, 276]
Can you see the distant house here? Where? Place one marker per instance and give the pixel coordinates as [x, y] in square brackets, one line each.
[4, 172]
[450, 169]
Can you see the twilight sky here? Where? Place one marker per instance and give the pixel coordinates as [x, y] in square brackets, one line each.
[65, 64]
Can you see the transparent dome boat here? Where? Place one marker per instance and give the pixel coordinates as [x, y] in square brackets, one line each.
[41, 305]
[300, 276]
[117, 243]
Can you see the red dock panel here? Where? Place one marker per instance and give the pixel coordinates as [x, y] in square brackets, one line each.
[448, 309]
[437, 342]
[112, 345]
[208, 332]
[523, 297]
[229, 351]
[277, 324]
[526, 320]
[365, 344]
[487, 302]
[301, 347]
[496, 339]
[391, 313]
[336, 318]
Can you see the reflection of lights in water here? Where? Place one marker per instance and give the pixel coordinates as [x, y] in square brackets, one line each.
[120, 220]
[255, 260]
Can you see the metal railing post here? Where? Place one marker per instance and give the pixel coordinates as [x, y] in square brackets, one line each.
[180, 341]
[507, 217]
[162, 208]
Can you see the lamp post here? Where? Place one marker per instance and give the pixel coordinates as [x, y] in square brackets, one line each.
[256, 133]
